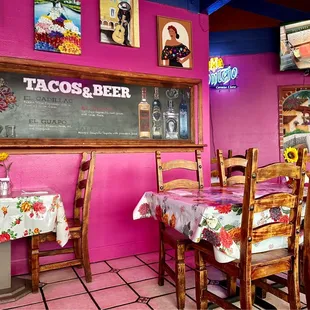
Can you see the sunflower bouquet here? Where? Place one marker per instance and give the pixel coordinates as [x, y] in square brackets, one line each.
[7, 166]
[291, 155]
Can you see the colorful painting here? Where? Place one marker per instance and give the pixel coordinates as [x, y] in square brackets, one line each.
[119, 22]
[174, 38]
[294, 111]
[57, 26]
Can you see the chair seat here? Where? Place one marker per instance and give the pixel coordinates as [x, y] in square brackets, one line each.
[173, 237]
[74, 224]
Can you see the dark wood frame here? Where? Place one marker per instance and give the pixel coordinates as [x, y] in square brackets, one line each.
[71, 145]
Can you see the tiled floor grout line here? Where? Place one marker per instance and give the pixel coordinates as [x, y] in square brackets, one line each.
[43, 297]
[85, 287]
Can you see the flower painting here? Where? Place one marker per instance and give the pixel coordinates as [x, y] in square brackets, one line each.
[57, 26]
[174, 38]
[294, 113]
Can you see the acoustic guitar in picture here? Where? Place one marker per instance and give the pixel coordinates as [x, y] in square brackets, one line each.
[118, 35]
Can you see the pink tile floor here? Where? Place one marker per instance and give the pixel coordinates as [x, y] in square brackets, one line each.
[124, 283]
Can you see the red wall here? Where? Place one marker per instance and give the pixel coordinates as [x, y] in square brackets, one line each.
[248, 116]
[120, 179]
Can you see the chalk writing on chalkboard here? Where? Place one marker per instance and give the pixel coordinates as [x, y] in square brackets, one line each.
[57, 107]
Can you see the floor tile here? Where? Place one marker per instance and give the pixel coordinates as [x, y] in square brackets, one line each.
[104, 280]
[57, 275]
[63, 289]
[39, 306]
[26, 300]
[137, 274]
[134, 306]
[171, 264]
[170, 302]
[125, 262]
[78, 302]
[219, 291]
[149, 257]
[96, 268]
[115, 296]
[150, 288]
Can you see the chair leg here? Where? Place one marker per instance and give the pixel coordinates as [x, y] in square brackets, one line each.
[162, 255]
[180, 275]
[201, 280]
[231, 286]
[293, 289]
[245, 294]
[35, 266]
[85, 260]
[77, 250]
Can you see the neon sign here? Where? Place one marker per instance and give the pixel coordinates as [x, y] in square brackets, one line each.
[220, 75]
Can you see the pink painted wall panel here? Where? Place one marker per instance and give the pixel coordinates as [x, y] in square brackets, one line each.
[248, 116]
[120, 179]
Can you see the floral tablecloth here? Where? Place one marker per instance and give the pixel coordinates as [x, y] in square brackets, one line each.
[212, 214]
[23, 215]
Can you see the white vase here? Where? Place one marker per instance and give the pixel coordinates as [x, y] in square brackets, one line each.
[5, 186]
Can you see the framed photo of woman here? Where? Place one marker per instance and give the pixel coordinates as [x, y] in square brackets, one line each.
[174, 38]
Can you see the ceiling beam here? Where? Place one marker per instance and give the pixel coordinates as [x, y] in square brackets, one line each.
[212, 6]
[271, 10]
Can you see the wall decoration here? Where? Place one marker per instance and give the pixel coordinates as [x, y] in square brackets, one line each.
[174, 38]
[58, 26]
[294, 119]
[119, 22]
[222, 76]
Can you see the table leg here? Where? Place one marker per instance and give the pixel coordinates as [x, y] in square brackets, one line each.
[11, 289]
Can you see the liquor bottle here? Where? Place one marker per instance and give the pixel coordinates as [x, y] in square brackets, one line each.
[144, 116]
[156, 116]
[171, 122]
[183, 118]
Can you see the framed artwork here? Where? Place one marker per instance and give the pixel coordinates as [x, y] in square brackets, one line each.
[57, 26]
[294, 120]
[174, 38]
[119, 22]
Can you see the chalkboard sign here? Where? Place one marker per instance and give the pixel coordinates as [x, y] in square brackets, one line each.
[57, 107]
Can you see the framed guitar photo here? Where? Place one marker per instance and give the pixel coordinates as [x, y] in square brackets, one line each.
[175, 48]
[119, 22]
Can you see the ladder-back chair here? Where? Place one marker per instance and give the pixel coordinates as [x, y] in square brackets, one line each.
[225, 167]
[78, 229]
[250, 268]
[179, 242]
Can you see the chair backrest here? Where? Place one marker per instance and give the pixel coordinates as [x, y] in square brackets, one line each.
[214, 173]
[225, 164]
[233, 169]
[179, 164]
[285, 226]
[84, 188]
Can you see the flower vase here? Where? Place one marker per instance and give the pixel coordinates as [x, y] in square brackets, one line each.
[5, 186]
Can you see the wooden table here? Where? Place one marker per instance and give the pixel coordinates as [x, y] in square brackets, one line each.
[22, 214]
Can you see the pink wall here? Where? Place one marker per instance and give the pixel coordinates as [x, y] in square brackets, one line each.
[120, 179]
[248, 116]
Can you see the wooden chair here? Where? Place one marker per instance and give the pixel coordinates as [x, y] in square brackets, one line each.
[78, 228]
[214, 172]
[250, 268]
[179, 242]
[233, 169]
[225, 167]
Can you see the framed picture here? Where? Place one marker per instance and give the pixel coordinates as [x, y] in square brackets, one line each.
[57, 26]
[294, 120]
[119, 22]
[174, 38]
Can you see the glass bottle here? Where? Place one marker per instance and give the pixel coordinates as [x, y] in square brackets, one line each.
[183, 118]
[144, 116]
[156, 116]
[171, 122]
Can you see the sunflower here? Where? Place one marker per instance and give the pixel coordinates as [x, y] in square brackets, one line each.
[290, 155]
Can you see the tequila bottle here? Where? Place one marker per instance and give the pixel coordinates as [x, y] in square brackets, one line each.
[144, 116]
[171, 122]
[183, 118]
[156, 116]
